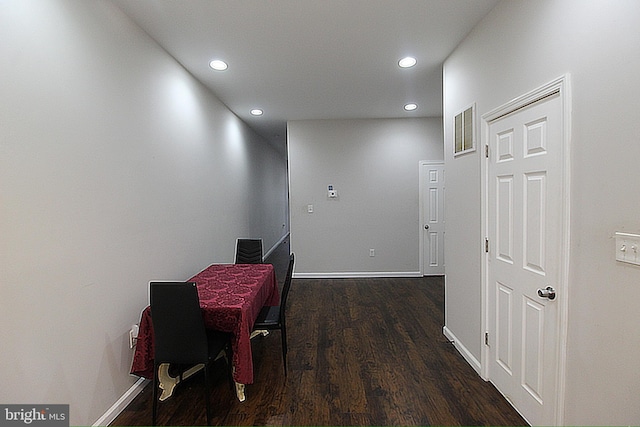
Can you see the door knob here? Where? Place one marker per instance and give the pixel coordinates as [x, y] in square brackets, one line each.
[547, 292]
[426, 227]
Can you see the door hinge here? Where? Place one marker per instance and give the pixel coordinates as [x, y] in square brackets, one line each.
[486, 338]
[486, 151]
[486, 244]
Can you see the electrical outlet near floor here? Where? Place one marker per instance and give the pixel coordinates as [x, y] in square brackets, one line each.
[133, 336]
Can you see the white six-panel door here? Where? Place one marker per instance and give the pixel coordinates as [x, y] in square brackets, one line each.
[432, 216]
[525, 232]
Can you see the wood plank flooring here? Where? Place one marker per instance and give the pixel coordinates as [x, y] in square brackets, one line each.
[361, 352]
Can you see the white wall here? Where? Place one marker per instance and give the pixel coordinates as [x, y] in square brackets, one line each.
[116, 168]
[519, 46]
[373, 165]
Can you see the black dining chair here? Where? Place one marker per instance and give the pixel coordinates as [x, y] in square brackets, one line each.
[249, 251]
[180, 336]
[273, 318]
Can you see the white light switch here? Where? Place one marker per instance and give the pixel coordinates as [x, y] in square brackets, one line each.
[310, 208]
[628, 248]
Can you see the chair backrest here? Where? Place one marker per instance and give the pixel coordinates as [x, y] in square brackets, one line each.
[178, 327]
[249, 251]
[286, 286]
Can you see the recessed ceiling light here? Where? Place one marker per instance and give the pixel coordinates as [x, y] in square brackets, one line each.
[218, 65]
[411, 107]
[256, 112]
[407, 62]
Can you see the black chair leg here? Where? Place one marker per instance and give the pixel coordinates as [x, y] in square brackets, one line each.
[206, 394]
[283, 334]
[154, 401]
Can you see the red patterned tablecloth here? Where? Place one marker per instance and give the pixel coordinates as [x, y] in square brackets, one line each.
[231, 296]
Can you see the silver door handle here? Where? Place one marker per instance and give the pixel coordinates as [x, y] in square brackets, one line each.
[426, 227]
[548, 292]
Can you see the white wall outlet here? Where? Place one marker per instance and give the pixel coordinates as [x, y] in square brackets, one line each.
[133, 335]
[628, 248]
[372, 252]
[310, 208]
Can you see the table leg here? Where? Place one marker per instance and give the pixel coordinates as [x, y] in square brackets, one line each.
[240, 392]
[168, 383]
[263, 332]
[239, 386]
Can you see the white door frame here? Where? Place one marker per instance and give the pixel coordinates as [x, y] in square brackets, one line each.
[558, 86]
[422, 219]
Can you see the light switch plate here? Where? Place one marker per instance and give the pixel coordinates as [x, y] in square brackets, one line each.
[628, 248]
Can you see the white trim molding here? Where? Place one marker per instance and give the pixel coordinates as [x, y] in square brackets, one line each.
[356, 274]
[115, 410]
[275, 246]
[462, 349]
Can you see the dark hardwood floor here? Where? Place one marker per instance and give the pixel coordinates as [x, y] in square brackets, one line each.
[361, 352]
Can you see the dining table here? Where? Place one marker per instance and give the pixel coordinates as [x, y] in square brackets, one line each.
[231, 297]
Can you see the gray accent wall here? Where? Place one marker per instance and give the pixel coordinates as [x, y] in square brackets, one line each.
[373, 166]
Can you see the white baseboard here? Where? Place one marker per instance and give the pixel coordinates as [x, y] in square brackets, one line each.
[471, 360]
[273, 248]
[121, 403]
[356, 274]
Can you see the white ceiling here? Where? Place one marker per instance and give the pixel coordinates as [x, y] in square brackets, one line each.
[320, 59]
